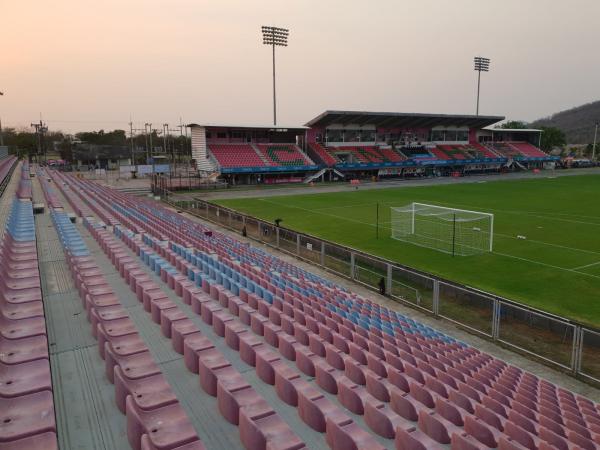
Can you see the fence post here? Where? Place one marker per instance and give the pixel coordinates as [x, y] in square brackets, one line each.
[298, 244]
[436, 298]
[206, 209]
[323, 253]
[495, 319]
[577, 350]
[388, 282]
[230, 220]
[352, 265]
[277, 236]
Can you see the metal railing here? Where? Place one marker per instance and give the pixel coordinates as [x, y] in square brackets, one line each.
[556, 341]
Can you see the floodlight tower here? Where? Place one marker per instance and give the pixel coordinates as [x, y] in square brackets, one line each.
[1, 138]
[481, 65]
[275, 36]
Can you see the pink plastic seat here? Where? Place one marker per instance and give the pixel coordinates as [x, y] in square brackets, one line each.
[169, 317]
[233, 393]
[220, 319]
[148, 393]
[265, 359]
[378, 387]
[382, 420]
[249, 343]
[42, 441]
[25, 416]
[17, 351]
[25, 378]
[167, 427]
[262, 428]
[158, 305]
[413, 439]
[233, 330]
[305, 361]
[287, 382]
[347, 435]
[352, 396]
[327, 377]
[182, 330]
[17, 311]
[210, 364]
[22, 328]
[134, 366]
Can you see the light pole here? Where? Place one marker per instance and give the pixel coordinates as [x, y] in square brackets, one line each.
[594, 146]
[481, 65]
[1, 137]
[275, 36]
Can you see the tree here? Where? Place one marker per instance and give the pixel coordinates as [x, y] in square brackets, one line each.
[552, 137]
[514, 124]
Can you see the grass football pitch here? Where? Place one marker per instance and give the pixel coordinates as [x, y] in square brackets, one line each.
[556, 267]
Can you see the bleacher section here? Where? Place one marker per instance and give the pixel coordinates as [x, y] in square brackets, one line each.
[415, 152]
[528, 149]
[322, 153]
[236, 155]
[505, 149]
[277, 345]
[284, 155]
[26, 400]
[462, 152]
[6, 167]
[368, 154]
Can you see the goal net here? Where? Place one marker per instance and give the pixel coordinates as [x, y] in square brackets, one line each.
[449, 230]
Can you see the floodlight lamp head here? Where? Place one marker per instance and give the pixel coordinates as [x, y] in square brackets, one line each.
[482, 64]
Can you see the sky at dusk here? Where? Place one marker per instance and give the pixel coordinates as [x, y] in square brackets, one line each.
[91, 64]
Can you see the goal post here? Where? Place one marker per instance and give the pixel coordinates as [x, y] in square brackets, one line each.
[450, 230]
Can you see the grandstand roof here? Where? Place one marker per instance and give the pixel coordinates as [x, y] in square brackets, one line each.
[254, 127]
[396, 119]
[515, 130]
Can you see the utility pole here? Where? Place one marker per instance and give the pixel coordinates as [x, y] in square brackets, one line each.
[595, 137]
[131, 139]
[40, 129]
[148, 149]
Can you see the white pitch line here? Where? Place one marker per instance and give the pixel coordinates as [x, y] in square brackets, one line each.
[546, 265]
[497, 253]
[587, 265]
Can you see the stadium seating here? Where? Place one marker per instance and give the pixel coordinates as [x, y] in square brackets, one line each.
[408, 382]
[26, 403]
[528, 149]
[462, 152]
[6, 165]
[236, 155]
[360, 154]
[323, 154]
[284, 155]
[415, 152]
[517, 149]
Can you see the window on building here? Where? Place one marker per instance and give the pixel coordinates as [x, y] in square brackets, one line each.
[221, 135]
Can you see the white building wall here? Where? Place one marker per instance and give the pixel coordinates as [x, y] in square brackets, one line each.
[200, 150]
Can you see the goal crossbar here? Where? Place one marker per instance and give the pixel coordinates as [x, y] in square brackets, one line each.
[443, 228]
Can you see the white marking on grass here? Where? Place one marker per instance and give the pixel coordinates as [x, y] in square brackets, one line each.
[545, 264]
[587, 265]
[497, 253]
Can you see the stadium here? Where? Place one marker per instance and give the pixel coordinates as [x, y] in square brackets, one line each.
[368, 279]
[353, 144]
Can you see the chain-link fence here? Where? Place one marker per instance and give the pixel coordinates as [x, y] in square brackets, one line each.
[554, 340]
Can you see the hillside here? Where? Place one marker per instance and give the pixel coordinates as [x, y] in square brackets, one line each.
[577, 123]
